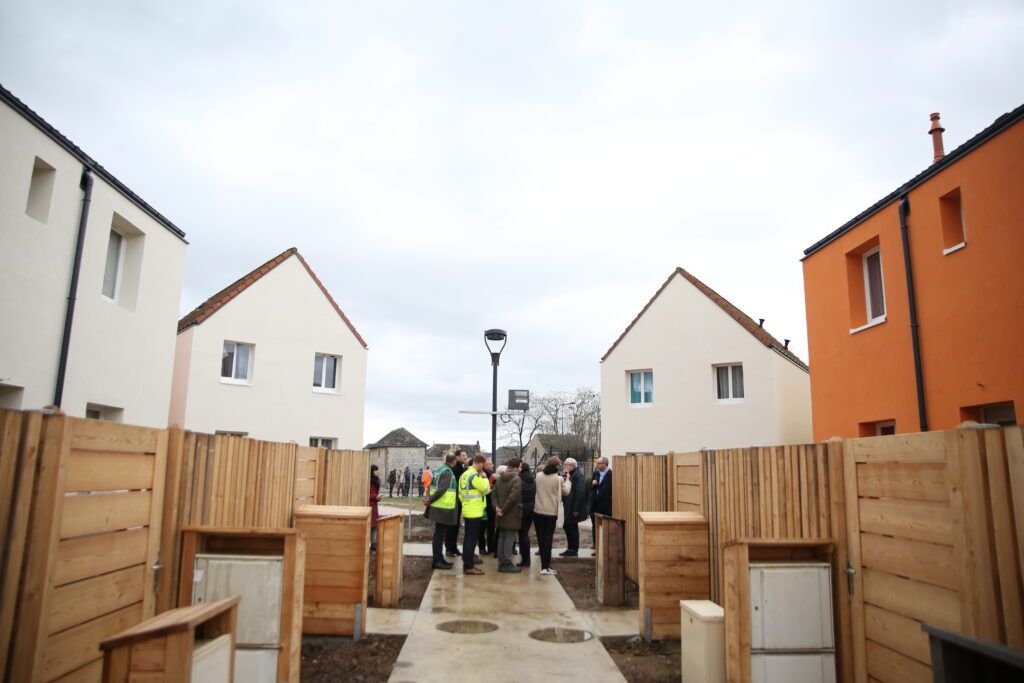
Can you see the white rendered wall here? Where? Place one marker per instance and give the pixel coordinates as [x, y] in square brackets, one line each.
[119, 356]
[288, 319]
[680, 337]
[792, 402]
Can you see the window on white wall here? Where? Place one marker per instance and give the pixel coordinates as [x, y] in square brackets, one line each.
[641, 387]
[322, 441]
[729, 381]
[114, 265]
[40, 190]
[325, 372]
[874, 288]
[236, 362]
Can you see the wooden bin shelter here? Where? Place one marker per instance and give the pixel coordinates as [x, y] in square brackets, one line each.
[337, 568]
[163, 649]
[287, 544]
[736, 558]
[672, 561]
[611, 560]
[387, 586]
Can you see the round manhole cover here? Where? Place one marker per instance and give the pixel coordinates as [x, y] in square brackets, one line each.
[561, 635]
[467, 626]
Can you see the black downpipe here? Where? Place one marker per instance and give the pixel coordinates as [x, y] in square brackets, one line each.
[69, 316]
[915, 333]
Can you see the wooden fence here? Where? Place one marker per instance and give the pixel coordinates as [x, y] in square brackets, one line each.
[91, 515]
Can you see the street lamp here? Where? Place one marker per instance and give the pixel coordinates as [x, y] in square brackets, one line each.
[492, 338]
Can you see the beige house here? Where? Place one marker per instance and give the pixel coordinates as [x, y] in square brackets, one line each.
[397, 450]
[272, 356]
[100, 344]
[693, 371]
[543, 446]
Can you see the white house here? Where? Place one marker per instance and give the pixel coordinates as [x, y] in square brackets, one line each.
[693, 371]
[96, 339]
[272, 356]
[397, 450]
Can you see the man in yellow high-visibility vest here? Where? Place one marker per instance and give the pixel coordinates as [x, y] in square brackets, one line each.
[440, 508]
[473, 486]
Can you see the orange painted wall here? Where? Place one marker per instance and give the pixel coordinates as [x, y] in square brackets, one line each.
[970, 304]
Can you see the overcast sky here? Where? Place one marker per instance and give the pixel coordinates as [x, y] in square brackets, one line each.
[536, 166]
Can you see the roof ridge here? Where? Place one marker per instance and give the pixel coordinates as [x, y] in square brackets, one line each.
[744, 320]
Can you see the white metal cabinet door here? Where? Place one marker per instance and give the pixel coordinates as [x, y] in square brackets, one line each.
[790, 606]
[256, 579]
[811, 668]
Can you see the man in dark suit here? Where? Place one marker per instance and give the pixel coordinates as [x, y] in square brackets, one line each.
[600, 492]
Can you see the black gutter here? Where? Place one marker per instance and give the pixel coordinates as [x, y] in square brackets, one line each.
[998, 126]
[75, 151]
[915, 333]
[69, 315]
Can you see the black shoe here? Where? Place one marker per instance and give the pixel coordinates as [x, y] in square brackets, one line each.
[443, 565]
[570, 553]
[523, 564]
[453, 553]
[509, 569]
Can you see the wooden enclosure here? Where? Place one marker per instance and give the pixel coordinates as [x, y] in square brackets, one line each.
[673, 566]
[286, 543]
[737, 556]
[387, 585]
[337, 568]
[611, 560]
[162, 649]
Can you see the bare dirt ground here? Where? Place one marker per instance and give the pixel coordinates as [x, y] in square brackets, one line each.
[328, 659]
[416, 573]
[577, 578]
[642, 662]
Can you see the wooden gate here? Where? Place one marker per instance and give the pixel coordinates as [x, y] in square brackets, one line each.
[934, 526]
[87, 508]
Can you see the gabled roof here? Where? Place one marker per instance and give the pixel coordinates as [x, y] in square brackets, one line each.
[74, 150]
[438, 450]
[218, 300]
[556, 441]
[998, 126]
[745, 321]
[398, 438]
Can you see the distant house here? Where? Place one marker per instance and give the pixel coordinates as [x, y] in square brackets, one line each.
[64, 215]
[397, 450]
[543, 446]
[915, 307]
[506, 453]
[437, 452]
[272, 356]
[694, 371]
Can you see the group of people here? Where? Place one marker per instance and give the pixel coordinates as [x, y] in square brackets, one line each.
[498, 508]
[404, 481]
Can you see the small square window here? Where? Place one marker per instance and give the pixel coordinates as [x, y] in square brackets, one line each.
[97, 411]
[641, 387]
[325, 372]
[322, 441]
[229, 432]
[954, 233]
[877, 428]
[40, 190]
[236, 362]
[874, 288]
[114, 263]
[729, 381]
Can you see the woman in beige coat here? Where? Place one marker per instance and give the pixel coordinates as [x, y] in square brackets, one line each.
[551, 488]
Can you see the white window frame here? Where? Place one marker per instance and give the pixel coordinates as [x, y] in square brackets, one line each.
[249, 370]
[643, 381]
[714, 382]
[879, 426]
[119, 275]
[318, 442]
[337, 373]
[229, 432]
[867, 286]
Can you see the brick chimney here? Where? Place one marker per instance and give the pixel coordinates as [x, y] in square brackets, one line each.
[936, 132]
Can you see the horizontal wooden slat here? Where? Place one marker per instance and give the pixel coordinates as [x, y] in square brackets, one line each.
[305, 469]
[672, 552]
[328, 626]
[923, 447]
[78, 602]
[917, 520]
[897, 632]
[653, 568]
[105, 471]
[354, 563]
[339, 531]
[908, 481]
[677, 587]
[689, 494]
[921, 601]
[890, 666]
[333, 594]
[90, 673]
[927, 562]
[687, 459]
[96, 435]
[95, 513]
[688, 475]
[80, 558]
[305, 488]
[78, 646]
[333, 579]
[674, 537]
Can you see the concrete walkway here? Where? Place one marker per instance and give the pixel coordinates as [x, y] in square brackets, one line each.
[517, 604]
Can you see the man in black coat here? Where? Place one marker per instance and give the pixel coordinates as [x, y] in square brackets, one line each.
[575, 508]
[600, 492]
[529, 486]
[451, 541]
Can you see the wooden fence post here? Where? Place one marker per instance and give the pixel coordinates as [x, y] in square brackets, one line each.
[838, 530]
[170, 526]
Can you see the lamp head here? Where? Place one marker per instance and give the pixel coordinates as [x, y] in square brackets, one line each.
[492, 339]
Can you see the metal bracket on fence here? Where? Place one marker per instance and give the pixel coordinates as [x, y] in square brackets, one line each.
[850, 571]
[157, 568]
[648, 625]
[357, 622]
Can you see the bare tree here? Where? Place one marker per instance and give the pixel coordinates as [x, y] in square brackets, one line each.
[562, 413]
[520, 427]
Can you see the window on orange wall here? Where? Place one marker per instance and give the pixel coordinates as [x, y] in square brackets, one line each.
[878, 428]
[865, 285]
[954, 231]
[1002, 414]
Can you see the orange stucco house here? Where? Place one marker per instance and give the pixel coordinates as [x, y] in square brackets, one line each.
[915, 307]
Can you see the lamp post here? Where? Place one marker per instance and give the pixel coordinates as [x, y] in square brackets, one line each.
[491, 340]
